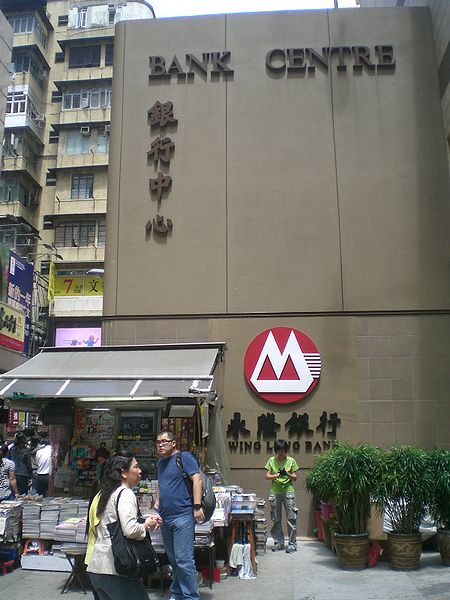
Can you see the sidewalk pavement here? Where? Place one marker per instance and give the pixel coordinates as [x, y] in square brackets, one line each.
[311, 573]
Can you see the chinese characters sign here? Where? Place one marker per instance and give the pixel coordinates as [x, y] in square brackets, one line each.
[20, 290]
[160, 154]
[282, 365]
[78, 286]
[12, 327]
[301, 434]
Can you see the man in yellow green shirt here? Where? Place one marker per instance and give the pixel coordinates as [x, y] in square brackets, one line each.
[281, 470]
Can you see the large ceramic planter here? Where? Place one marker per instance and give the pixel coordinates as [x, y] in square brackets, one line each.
[352, 550]
[404, 550]
[443, 541]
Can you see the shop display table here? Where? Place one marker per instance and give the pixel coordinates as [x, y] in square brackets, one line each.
[78, 574]
[244, 519]
[210, 549]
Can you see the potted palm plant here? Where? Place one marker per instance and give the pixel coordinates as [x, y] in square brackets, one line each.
[345, 476]
[440, 499]
[403, 492]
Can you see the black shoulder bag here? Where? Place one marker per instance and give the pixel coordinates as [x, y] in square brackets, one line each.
[132, 558]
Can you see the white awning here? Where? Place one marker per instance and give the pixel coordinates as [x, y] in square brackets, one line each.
[167, 371]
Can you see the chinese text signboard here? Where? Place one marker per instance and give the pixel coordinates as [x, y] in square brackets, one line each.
[301, 434]
[160, 115]
[20, 290]
[78, 286]
[12, 327]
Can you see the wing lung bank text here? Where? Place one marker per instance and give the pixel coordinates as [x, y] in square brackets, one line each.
[279, 61]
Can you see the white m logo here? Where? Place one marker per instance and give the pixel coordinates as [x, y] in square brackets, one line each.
[278, 361]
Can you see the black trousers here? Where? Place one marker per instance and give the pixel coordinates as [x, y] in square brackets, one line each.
[22, 484]
[42, 485]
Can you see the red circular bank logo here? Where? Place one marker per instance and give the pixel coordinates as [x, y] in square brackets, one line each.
[282, 365]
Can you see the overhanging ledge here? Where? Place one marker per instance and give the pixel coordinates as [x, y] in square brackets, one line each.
[162, 370]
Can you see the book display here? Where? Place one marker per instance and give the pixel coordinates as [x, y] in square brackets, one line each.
[92, 430]
[137, 434]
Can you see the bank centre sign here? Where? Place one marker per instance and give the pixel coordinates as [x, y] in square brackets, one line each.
[278, 61]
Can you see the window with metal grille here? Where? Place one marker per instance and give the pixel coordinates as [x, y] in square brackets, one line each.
[73, 234]
[94, 98]
[101, 236]
[82, 187]
[84, 56]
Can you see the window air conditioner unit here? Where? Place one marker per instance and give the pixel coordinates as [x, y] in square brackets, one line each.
[85, 130]
[107, 129]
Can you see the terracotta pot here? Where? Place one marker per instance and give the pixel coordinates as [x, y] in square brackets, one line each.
[404, 550]
[352, 550]
[443, 541]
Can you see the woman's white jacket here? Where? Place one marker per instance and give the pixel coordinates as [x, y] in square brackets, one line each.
[102, 560]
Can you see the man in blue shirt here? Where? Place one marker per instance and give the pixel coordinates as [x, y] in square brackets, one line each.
[179, 513]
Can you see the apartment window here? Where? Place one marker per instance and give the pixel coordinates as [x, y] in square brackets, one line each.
[8, 237]
[82, 17]
[59, 57]
[57, 96]
[102, 139]
[101, 237]
[22, 24]
[53, 137]
[77, 143]
[109, 51]
[21, 62]
[96, 98]
[75, 233]
[16, 103]
[28, 24]
[13, 190]
[82, 187]
[115, 14]
[63, 20]
[84, 56]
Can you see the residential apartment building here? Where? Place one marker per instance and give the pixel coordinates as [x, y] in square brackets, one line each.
[53, 185]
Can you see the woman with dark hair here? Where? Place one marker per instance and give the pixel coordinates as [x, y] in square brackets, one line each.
[121, 474]
[7, 475]
[21, 457]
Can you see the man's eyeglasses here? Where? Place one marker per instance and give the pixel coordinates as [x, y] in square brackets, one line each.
[163, 442]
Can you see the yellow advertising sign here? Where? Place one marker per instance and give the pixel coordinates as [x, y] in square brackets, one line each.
[66, 285]
[12, 327]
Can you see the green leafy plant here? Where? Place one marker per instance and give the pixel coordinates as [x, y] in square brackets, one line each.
[404, 487]
[345, 476]
[439, 462]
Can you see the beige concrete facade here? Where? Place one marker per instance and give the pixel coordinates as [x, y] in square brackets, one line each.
[315, 200]
[6, 41]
